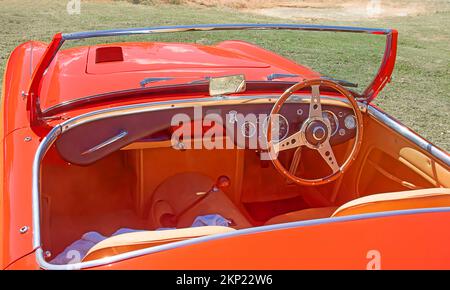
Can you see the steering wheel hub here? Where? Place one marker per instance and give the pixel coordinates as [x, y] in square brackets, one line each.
[316, 132]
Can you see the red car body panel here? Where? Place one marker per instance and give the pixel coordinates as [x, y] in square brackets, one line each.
[323, 246]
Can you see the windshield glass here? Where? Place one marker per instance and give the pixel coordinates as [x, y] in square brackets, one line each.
[96, 66]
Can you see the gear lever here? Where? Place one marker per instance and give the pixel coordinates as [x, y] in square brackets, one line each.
[222, 182]
[171, 220]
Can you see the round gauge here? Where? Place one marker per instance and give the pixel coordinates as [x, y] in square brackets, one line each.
[280, 127]
[334, 122]
[248, 129]
[350, 122]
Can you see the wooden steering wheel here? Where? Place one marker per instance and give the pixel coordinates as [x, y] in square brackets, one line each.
[315, 132]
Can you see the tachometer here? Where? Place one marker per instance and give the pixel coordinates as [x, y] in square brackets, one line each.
[334, 122]
[280, 127]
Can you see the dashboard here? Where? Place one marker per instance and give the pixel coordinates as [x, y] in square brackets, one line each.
[84, 144]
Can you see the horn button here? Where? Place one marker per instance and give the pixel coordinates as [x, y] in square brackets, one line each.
[316, 132]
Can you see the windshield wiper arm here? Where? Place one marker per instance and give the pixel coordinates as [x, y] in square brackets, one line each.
[341, 82]
[274, 76]
[146, 81]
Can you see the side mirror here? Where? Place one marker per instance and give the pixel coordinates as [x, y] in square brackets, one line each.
[226, 85]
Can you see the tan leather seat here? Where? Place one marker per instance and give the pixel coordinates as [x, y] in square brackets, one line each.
[139, 240]
[422, 198]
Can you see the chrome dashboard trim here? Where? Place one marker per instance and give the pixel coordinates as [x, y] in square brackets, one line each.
[111, 140]
[184, 103]
[67, 125]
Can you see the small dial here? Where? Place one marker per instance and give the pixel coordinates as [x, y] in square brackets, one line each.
[279, 127]
[334, 122]
[350, 122]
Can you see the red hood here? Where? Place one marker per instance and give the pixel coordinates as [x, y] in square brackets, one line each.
[77, 72]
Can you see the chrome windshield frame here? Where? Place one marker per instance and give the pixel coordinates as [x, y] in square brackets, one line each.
[382, 77]
[209, 27]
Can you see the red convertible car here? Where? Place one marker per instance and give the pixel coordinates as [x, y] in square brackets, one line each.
[170, 155]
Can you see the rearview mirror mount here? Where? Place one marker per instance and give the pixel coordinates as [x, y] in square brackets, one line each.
[226, 85]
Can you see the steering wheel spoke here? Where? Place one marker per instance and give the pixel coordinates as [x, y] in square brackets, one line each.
[327, 154]
[295, 161]
[293, 141]
[315, 107]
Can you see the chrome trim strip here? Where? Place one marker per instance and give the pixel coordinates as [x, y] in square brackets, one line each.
[409, 134]
[133, 254]
[208, 27]
[36, 182]
[183, 103]
[58, 130]
[111, 140]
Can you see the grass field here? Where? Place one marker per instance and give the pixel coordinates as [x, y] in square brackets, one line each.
[419, 94]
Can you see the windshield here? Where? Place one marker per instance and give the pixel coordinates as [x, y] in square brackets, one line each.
[89, 66]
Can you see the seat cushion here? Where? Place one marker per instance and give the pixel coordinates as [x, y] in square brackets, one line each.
[139, 240]
[301, 215]
[422, 198]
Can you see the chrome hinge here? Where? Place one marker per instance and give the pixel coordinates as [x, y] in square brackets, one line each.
[362, 107]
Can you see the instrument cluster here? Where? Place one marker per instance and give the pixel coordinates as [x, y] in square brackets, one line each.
[291, 118]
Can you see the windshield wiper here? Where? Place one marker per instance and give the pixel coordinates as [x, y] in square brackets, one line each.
[146, 81]
[275, 76]
[344, 83]
[341, 82]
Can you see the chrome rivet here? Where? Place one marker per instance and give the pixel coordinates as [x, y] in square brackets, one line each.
[341, 132]
[48, 254]
[27, 139]
[23, 229]
[299, 112]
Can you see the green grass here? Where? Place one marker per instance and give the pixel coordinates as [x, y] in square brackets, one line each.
[419, 94]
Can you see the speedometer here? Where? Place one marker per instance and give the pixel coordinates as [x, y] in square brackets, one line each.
[334, 122]
[279, 128]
